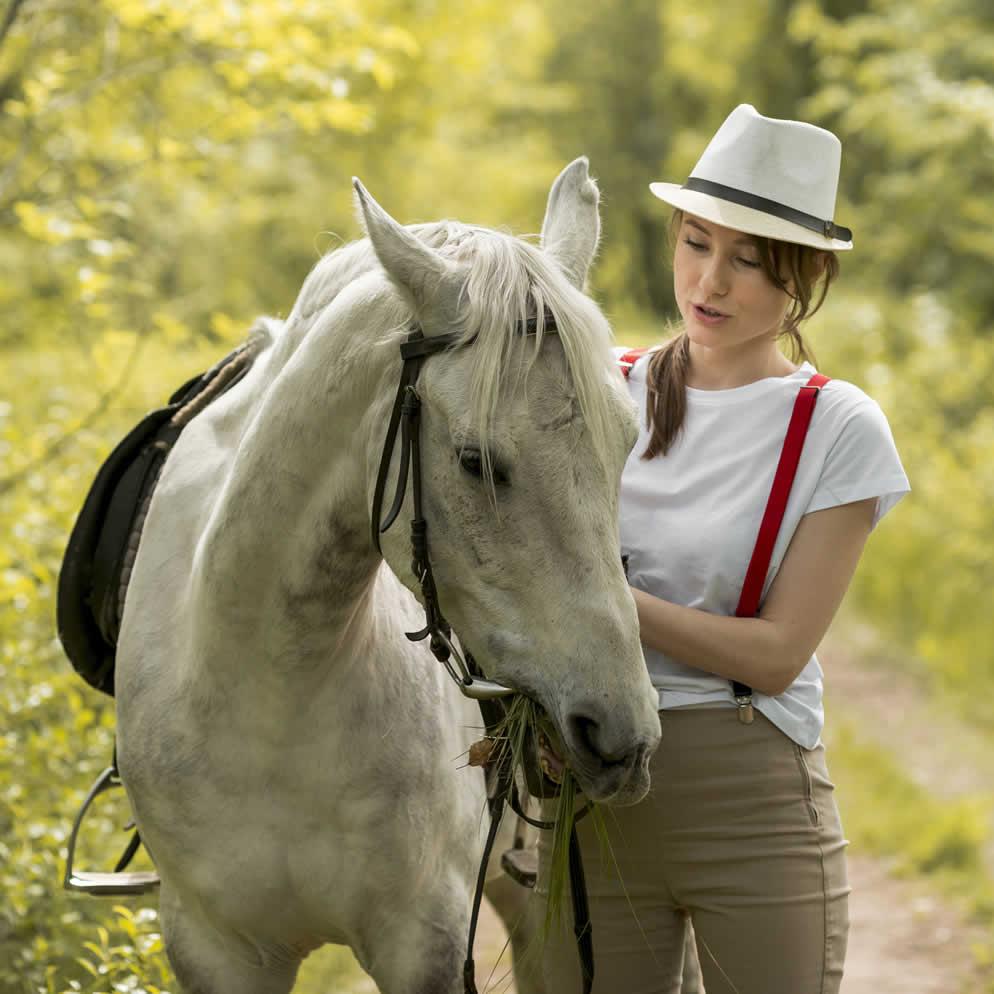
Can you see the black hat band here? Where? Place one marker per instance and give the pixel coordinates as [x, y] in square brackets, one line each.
[827, 228]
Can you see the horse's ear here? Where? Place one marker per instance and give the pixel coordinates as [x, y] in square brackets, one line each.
[572, 225]
[417, 269]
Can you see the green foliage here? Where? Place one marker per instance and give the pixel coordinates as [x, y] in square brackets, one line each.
[885, 811]
[924, 574]
[911, 93]
[129, 958]
[131, 127]
[59, 734]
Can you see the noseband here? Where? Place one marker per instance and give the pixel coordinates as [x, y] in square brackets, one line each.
[406, 415]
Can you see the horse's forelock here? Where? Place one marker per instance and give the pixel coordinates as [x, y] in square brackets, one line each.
[508, 281]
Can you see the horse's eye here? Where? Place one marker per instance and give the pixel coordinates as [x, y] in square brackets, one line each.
[471, 461]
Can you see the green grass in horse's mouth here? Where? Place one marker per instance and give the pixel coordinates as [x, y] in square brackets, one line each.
[526, 723]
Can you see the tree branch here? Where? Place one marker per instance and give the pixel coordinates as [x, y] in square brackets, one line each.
[9, 18]
[102, 405]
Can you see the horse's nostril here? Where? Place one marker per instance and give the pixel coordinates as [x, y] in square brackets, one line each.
[588, 736]
[582, 731]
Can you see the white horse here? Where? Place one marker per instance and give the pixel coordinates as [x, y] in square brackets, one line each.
[296, 766]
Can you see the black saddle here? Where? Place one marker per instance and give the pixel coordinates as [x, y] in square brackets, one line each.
[97, 564]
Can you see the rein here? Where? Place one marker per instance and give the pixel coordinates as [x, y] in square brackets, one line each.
[406, 417]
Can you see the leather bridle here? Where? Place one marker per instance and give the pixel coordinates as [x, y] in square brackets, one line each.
[406, 417]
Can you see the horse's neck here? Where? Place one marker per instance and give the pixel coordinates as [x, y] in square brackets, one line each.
[290, 530]
[322, 286]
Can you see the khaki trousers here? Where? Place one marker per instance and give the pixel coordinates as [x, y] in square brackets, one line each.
[739, 835]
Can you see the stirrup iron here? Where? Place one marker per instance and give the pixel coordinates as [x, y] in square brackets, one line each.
[102, 884]
[521, 865]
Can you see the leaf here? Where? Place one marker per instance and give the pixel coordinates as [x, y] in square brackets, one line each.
[88, 966]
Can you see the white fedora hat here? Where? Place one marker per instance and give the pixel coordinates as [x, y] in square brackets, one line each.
[766, 177]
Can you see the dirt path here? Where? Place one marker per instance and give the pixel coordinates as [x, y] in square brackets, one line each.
[905, 939]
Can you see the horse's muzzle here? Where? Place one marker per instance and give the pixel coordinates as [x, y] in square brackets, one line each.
[609, 768]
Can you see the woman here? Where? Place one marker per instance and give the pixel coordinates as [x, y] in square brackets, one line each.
[740, 834]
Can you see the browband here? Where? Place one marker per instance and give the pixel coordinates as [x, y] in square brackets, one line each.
[827, 228]
[418, 344]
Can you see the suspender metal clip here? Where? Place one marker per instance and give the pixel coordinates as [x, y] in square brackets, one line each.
[746, 714]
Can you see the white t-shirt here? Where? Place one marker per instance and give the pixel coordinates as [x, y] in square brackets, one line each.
[689, 520]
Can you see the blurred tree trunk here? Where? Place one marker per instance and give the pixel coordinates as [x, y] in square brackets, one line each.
[610, 56]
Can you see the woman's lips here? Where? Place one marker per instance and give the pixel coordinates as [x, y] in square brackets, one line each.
[708, 315]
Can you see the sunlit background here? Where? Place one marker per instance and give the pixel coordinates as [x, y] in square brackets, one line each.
[171, 168]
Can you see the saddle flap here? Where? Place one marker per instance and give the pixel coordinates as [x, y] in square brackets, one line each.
[103, 542]
[83, 581]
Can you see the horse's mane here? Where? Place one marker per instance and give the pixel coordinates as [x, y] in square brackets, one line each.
[508, 281]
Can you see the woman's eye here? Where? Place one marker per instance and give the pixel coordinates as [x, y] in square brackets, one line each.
[699, 246]
[749, 262]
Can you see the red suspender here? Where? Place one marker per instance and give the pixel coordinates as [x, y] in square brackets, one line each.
[752, 588]
[629, 358]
